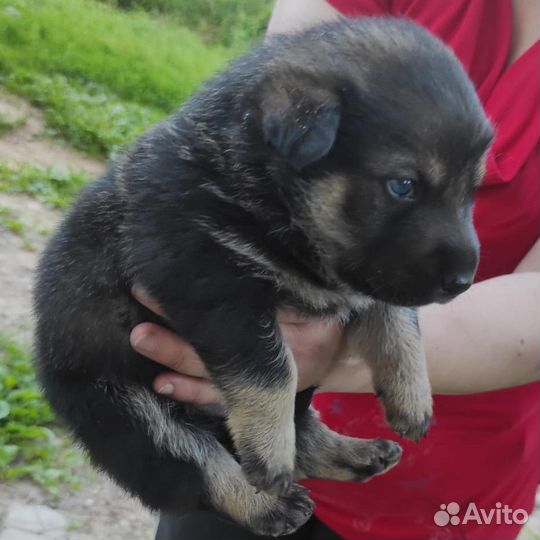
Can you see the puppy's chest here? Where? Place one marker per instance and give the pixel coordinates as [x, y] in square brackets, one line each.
[319, 302]
[295, 278]
[295, 288]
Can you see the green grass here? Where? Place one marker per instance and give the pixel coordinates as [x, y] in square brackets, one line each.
[9, 221]
[52, 187]
[101, 75]
[132, 55]
[31, 445]
[90, 118]
[233, 23]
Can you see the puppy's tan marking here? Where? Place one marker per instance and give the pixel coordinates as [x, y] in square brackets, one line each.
[261, 421]
[325, 210]
[263, 513]
[435, 171]
[389, 339]
[284, 278]
[182, 441]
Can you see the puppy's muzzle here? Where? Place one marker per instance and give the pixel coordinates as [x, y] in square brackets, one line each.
[458, 264]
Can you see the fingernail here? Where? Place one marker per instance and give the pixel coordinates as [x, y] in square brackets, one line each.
[146, 343]
[166, 389]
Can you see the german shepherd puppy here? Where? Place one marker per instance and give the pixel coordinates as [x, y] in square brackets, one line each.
[332, 171]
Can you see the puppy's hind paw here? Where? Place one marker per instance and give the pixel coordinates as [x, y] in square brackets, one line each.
[360, 460]
[384, 455]
[276, 481]
[285, 514]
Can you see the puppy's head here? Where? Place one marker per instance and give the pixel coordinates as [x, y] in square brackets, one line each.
[380, 140]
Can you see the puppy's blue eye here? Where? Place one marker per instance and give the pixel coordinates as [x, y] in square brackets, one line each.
[402, 188]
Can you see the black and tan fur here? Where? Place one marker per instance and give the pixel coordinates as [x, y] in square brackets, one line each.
[268, 189]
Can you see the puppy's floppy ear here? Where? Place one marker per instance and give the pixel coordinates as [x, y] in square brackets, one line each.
[301, 123]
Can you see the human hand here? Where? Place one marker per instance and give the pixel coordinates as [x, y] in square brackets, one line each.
[318, 348]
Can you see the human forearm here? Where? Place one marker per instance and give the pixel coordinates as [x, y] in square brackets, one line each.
[486, 339]
[293, 15]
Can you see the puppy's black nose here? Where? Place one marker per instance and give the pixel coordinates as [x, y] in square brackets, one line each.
[457, 283]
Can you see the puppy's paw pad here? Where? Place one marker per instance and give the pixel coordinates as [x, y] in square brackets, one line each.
[287, 514]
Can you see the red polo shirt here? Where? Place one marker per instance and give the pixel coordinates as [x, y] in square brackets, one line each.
[484, 448]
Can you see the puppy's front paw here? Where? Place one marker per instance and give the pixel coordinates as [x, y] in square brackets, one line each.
[408, 412]
[283, 515]
[409, 426]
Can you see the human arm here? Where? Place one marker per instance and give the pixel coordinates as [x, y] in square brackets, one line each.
[486, 339]
[294, 15]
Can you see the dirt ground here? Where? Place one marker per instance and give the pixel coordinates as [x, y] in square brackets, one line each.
[27, 144]
[99, 509]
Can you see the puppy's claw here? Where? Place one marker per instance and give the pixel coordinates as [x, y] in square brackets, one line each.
[410, 428]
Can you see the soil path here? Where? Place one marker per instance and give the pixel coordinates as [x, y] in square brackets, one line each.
[99, 509]
[26, 144]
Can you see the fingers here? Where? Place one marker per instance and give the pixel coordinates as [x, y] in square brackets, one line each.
[314, 344]
[163, 346]
[185, 383]
[186, 389]
[166, 348]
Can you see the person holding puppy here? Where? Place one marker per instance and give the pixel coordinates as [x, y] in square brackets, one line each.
[482, 348]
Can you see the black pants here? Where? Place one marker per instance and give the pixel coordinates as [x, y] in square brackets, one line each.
[209, 526]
